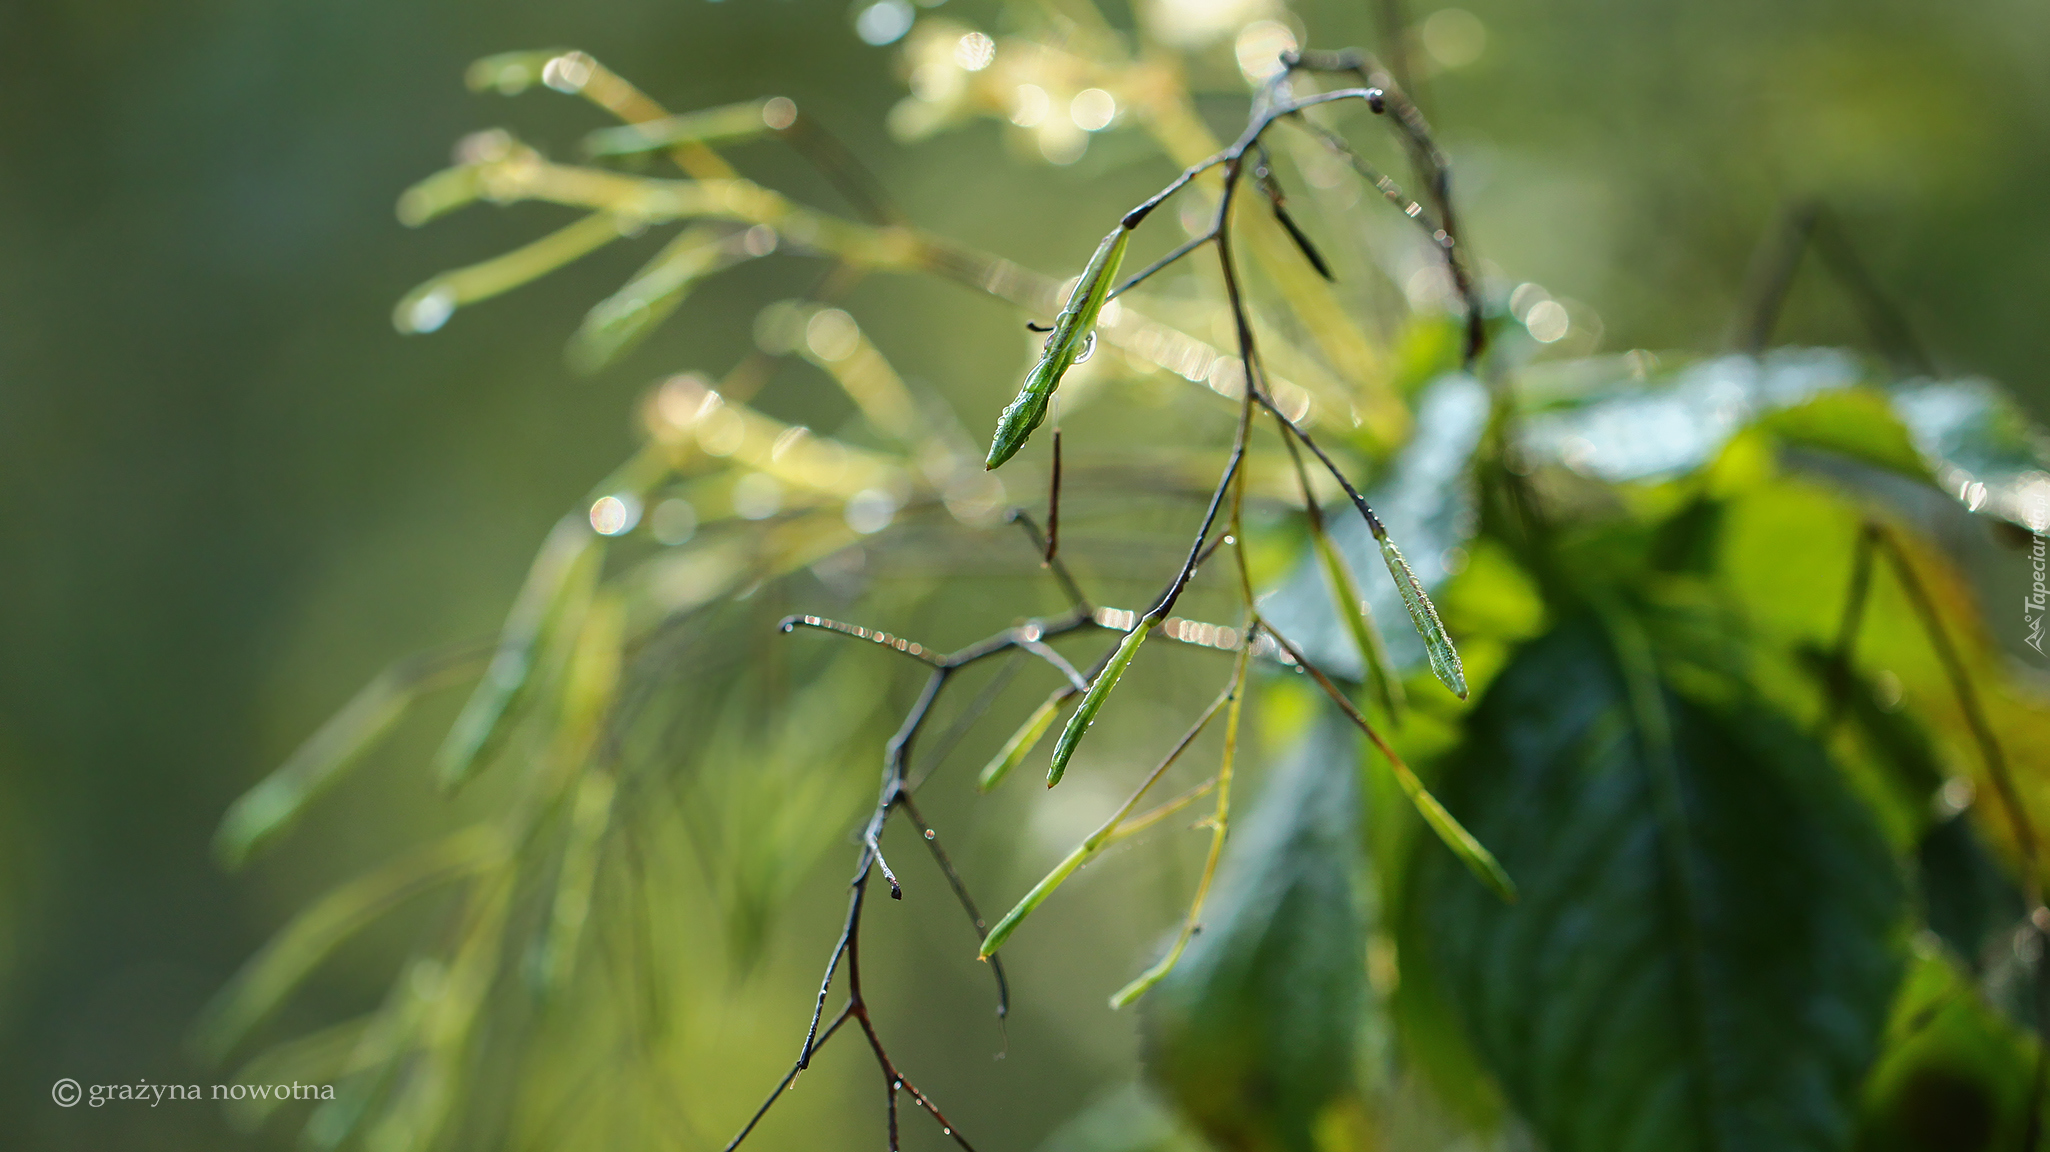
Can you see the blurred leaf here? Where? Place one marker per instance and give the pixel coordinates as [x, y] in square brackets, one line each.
[1130, 1119]
[268, 809]
[1706, 947]
[562, 576]
[320, 1058]
[1988, 453]
[1967, 898]
[1893, 761]
[273, 973]
[1353, 611]
[620, 321]
[1253, 1033]
[429, 306]
[1858, 423]
[1954, 1077]
[720, 125]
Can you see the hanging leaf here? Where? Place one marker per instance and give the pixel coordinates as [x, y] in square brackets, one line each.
[1253, 1034]
[1708, 940]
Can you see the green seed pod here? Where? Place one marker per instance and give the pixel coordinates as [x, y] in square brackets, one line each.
[1424, 614]
[1071, 332]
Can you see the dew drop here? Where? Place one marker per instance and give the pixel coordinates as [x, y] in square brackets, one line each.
[1088, 348]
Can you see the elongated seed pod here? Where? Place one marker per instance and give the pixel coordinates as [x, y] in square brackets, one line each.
[1424, 614]
[1085, 713]
[1070, 334]
[1022, 742]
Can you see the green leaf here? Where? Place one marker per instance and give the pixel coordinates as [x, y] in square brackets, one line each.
[563, 574]
[720, 125]
[1422, 613]
[265, 811]
[1254, 1032]
[429, 306]
[1858, 423]
[1071, 330]
[617, 323]
[510, 73]
[273, 973]
[1707, 943]
[1085, 715]
[1954, 1074]
[1023, 741]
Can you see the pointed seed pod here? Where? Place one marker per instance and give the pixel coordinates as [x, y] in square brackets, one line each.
[1071, 331]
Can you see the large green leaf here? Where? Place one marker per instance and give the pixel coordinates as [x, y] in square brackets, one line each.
[1254, 1031]
[1710, 929]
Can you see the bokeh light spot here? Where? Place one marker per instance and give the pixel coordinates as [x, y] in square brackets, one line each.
[1547, 321]
[1259, 48]
[1454, 37]
[870, 511]
[883, 22]
[1092, 109]
[615, 515]
[757, 496]
[975, 51]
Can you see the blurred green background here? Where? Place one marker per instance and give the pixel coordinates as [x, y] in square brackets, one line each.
[230, 492]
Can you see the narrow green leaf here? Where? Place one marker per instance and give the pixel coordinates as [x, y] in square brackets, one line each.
[1453, 835]
[620, 321]
[429, 306]
[709, 126]
[320, 1057]
[1085, 715]
[1072, 329]
[1023, 741]
[563, 571]
[1113, 828]
[1035, 898]
[1422, 613]
[1358, 618]
[590, 815]
[1711, 927]
[440, 194]
[269, 808]
[510, 73]
[273, 973]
